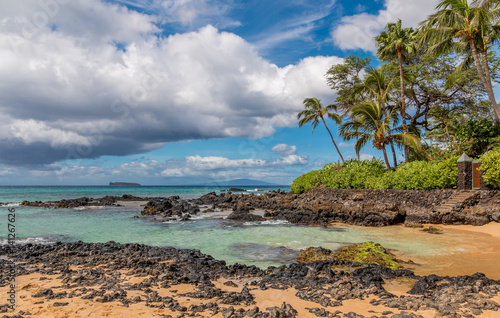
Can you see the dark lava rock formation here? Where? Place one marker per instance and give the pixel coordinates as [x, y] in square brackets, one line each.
[98, 272]
[74, 203]
[319, 206]
[322, 206]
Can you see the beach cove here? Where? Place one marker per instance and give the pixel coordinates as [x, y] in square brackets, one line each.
[459, 250]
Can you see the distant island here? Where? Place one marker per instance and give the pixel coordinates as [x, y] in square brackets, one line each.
[124, 184]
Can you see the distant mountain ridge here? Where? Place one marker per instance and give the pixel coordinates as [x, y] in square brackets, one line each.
[240, 183]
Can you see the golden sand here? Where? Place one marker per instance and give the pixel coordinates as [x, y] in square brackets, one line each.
[477, 250]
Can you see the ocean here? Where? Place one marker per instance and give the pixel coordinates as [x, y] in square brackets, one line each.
[268, 243]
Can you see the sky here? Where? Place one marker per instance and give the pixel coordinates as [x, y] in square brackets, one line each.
[175, 92]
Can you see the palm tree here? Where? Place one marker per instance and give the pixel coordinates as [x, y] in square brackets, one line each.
[459, 27]
[379, 87]
[488, 34]
[397, 42]
[371, 122]
[314, 112]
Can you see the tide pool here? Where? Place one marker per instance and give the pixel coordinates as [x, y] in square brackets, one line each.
[261, 244]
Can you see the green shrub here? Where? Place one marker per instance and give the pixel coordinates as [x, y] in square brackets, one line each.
[490, 164]
[371, 174]
[372, 163]
[421, 175]
[354, 174]
[306, 181]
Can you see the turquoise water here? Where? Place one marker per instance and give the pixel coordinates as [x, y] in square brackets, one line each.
[264, 244]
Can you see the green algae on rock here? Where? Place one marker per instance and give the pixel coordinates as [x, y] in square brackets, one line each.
[367, 253]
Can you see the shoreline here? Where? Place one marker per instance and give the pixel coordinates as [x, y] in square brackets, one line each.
[477, 249]
[104, 279]
[320, 206]
[126, 280]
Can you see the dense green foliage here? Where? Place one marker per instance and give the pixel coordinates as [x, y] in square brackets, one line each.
[439, 110]
[416, 175]
[421, 175]
[477, 135]
[344, 78]
[353, 174]
[490, 164]
[443, 151]
[306, 181]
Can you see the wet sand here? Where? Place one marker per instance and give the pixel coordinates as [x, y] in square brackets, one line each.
[476, 249]
[460, 249]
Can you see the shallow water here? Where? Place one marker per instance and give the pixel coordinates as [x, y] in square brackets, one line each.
[253, 244]
[261, 244]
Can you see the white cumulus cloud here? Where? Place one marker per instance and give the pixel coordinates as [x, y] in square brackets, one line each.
[213, 166]
[98, 72]
[284, 149]
[358, 31]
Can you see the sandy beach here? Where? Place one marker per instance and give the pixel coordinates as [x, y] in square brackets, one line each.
[479, 251]
[472, 249]
[76, 307]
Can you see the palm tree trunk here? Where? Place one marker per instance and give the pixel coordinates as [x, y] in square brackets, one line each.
[496, 109]
[403, 110]
[357, 153]
[491, 96]
[335, 144]
[386, 159]
[394, 155]
[393, 150]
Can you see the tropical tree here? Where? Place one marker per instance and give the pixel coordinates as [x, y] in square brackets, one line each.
[344, 78]
[314, 112]
[397, 42]
[444, 122]
[462, 28]
[379, 86]
[426, 87]
[370, 122]
[489, 34]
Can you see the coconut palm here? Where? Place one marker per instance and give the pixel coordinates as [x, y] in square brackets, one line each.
[371, 122]
[378, 86]
[488, 34]
[462, 28]
[397, 42]
[314, 112]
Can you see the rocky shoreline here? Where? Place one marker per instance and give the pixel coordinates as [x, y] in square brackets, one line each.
[85, 202]
[323, 206]
[134, 275]
[170, 282]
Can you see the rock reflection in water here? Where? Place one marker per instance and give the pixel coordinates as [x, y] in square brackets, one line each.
[268, 253]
